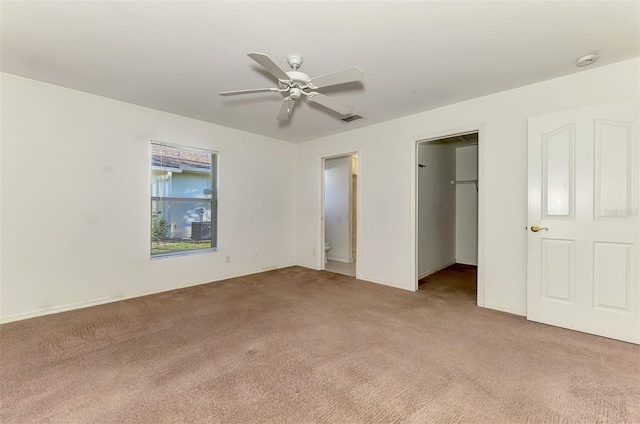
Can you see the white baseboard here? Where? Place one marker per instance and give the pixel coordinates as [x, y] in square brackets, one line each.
[96, 302]
[362, 278]
[384, 283]
[313, 267]
[340, 259]
[507, 310]
[466, 263]
[433, 271]
[366, 279]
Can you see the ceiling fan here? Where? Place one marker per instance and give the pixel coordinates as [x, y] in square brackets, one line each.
[296, 84]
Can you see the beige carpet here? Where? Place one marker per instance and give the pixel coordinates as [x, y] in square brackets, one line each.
[302, 346]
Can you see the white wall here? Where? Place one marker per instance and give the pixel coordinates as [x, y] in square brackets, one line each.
[436, 207]
[75, 200]
[337, 180]
[467, 206]
[385, 153]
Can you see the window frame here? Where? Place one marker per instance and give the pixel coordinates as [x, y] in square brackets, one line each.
[213, 201]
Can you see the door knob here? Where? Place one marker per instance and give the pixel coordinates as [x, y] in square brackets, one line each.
[535, 228]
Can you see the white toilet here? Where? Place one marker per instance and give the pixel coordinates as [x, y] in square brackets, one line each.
[327, 247]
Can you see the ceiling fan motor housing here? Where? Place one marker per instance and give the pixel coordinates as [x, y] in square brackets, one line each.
[298, 77]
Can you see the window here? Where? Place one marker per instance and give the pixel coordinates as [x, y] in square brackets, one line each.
[184, 205]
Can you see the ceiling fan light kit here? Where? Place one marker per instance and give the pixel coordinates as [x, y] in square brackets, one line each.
[297, 84]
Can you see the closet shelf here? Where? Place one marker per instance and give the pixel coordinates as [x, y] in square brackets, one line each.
[465, 182]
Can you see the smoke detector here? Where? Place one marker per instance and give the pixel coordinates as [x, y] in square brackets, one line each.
[587, 60]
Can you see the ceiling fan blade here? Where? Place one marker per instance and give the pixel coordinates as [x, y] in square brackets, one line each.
[286, 109]
[253, 90]
[269, 65]
[328, 102]
[335, 78]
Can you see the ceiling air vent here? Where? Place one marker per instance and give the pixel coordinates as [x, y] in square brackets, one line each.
[352, 118]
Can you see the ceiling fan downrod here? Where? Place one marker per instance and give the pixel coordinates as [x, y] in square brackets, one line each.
[294, 61]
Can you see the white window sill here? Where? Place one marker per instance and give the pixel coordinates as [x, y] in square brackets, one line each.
[183, 253]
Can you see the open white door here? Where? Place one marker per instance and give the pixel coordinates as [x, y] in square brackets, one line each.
[584, 189]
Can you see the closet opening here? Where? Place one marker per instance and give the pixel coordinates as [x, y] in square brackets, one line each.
[447, 193]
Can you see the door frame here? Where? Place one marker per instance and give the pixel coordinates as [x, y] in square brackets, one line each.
[321, 233]
[479, 128]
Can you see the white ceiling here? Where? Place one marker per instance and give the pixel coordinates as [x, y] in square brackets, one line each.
[177, 56]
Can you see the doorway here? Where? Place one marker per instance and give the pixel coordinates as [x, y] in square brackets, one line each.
[447, 199]
[339, 211]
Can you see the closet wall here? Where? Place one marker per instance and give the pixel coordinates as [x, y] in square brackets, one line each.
[436, 206]
[354, 206]
[467, 206]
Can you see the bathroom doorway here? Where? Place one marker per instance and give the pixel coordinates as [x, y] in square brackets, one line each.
[339, 212]
[448, 189]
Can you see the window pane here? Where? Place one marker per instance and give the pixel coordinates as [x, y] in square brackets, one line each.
[182, 225]
[184, 173]
[183, 199]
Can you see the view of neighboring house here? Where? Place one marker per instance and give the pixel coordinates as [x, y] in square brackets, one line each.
[177, 176]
